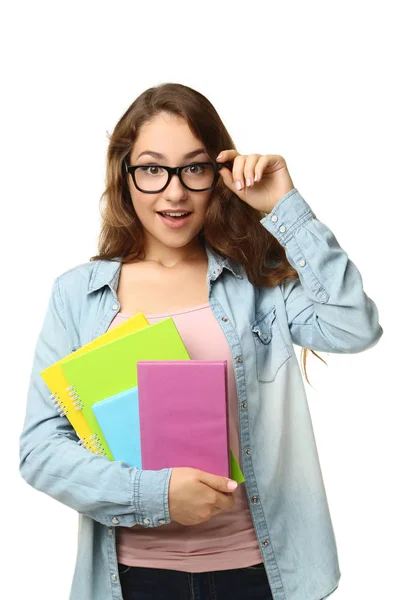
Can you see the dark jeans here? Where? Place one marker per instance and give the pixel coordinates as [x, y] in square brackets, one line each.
[143, 583]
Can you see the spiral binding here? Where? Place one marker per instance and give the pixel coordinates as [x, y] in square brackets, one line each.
[59, 404]
[93, 444]
[76, 400]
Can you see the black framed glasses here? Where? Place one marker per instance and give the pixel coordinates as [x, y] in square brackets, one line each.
[196, 176]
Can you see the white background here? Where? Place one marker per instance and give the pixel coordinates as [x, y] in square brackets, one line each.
[312, 81]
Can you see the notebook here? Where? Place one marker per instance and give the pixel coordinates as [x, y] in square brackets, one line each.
[56, 382]
[111, 368]
[118, 418]
[184, 415]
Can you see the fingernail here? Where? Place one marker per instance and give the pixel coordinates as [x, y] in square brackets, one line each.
[238, 185]
[232, 485]
[220, 156]
[256, 177]
[248, 181]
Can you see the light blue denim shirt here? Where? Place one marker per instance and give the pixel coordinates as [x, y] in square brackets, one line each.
[325, 309]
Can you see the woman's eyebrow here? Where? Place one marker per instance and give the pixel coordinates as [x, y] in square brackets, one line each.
[161, 156]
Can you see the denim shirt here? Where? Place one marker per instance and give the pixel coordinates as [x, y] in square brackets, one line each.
[326, 309]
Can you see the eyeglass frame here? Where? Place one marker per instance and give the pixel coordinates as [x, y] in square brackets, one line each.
[176, 171]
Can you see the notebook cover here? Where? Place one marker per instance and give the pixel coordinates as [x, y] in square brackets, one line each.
[111, 369]
[56, 381]
[118, 417]
[184, 415]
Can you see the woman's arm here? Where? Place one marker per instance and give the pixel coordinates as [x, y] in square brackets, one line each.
[327, 308]
[53, 462]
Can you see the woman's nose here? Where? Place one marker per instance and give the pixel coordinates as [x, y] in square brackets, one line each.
[175, 187]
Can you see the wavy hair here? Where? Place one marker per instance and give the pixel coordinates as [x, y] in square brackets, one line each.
[231, 227]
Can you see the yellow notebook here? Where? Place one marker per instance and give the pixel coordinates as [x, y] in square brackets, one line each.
[58, 384]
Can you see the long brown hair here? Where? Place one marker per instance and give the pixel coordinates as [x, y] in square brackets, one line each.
[231, 227]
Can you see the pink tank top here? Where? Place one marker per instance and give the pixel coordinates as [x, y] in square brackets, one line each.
[228, 539]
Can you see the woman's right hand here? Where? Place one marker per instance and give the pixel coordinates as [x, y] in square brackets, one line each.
[195, 496]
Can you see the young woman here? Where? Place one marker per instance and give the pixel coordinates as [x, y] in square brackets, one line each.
[226, 245]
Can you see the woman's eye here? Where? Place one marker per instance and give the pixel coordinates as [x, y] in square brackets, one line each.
[194, 169]
[152, 170]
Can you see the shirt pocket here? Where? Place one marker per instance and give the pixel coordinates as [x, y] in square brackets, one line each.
[271, 349]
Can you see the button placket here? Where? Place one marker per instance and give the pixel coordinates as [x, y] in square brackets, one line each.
[239, 360]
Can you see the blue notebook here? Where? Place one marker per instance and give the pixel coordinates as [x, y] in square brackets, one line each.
[118, 417]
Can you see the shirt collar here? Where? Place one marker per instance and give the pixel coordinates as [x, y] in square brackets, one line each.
[106, 272]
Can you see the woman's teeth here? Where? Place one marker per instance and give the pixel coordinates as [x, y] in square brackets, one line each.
[174, 214]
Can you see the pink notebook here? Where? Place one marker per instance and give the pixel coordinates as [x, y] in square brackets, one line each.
[184, 415]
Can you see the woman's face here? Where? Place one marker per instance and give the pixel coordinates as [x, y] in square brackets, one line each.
[171, 137]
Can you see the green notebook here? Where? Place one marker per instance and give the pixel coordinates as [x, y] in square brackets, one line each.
[112, 368]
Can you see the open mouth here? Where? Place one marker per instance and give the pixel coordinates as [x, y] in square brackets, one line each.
[174, 222]
[177, 217]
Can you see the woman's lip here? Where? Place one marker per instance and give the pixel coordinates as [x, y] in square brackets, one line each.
[172, 223]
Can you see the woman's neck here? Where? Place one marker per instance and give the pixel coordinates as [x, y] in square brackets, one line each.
[173, 256]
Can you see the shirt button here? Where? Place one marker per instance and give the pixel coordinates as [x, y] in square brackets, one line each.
[265, 543]
[274, 218]
[239, 359]
[114, 577]
[146, 521]
[254, 499]
[115, 307]
[282, 228]
[115, 521]
[161, 521]
[248, 451]
[224, 319]
[302, 262]
[110, 532]
[244, 404]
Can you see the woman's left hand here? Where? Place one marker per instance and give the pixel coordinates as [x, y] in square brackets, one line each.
[264, 179]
